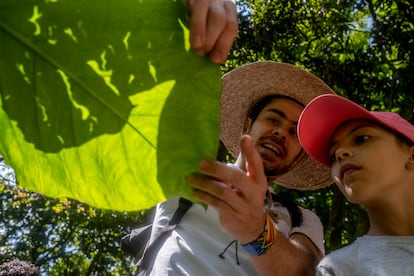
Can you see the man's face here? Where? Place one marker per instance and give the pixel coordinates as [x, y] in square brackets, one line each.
[275, 137]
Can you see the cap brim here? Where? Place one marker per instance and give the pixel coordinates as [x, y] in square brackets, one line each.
[319, 120]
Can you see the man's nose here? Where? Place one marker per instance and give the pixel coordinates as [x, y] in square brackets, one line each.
[280, 132]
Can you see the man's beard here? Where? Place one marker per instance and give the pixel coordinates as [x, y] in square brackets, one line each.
[273, 170]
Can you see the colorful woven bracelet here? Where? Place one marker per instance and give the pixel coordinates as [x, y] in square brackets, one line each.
[264, 241]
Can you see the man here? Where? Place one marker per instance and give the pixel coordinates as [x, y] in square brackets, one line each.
[263, 100]
[213, 27]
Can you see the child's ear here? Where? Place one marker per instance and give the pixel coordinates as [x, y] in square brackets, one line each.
[410, 163]
[247, 125]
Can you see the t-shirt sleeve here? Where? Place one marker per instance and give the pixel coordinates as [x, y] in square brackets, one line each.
[323, 271]
[312, 228]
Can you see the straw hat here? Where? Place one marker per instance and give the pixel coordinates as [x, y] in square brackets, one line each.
[246, 85]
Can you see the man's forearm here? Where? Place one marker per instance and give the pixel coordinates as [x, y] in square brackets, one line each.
[296, 256]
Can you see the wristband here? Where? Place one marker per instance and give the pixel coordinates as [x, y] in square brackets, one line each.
[260, 246]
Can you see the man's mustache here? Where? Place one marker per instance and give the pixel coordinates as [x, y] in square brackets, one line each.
[273, 140]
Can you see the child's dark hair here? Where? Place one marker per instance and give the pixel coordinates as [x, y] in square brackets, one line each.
[400, 137]
[404, 140]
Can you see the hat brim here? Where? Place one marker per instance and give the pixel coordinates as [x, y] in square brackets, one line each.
[321, 117]
[246, 85]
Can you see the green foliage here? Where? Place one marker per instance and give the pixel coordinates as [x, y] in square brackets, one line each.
[342, 221]
[362, 49]
[63, 236]
[103, 101]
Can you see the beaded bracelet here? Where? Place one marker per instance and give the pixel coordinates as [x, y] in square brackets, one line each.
[260, 246]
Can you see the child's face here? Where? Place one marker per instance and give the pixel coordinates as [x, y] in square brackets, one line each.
[368, 162]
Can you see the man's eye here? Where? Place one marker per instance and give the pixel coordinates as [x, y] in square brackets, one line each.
[274, 121]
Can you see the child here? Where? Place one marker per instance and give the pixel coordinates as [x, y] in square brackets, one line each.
[371, 156]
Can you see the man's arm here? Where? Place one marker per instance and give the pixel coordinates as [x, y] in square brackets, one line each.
[213, 27]
[238, 198]
[294, 256]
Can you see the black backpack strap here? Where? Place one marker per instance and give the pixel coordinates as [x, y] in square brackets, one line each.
[183, 206]
[296, 216]
[147, 260]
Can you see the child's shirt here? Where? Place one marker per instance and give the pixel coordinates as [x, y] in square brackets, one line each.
[371, 255]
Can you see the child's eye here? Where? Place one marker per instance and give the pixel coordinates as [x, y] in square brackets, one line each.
[361, 139]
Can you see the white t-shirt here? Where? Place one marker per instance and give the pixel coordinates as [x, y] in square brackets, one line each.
[371, 255]
[194, 246]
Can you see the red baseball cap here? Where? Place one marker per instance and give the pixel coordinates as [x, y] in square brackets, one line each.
[325, 113]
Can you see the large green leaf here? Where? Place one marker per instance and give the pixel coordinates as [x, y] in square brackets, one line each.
[103, 101]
